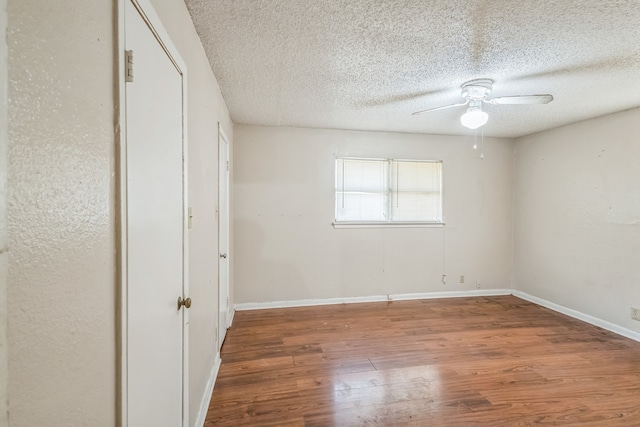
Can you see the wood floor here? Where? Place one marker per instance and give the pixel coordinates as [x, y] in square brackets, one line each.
[487, 361]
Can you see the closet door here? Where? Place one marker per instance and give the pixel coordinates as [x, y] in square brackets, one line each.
[224, 313]
[155, 231]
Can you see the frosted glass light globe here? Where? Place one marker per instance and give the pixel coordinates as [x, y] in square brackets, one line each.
[474, 118]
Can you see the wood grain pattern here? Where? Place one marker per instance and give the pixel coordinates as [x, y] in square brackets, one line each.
[488, 361]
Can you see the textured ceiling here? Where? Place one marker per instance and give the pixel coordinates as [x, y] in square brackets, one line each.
[368, 64]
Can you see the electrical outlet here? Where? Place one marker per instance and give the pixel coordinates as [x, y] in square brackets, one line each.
[635, 313]
[462, 279]
[478, 284]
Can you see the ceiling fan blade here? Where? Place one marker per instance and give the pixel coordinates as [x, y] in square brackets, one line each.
[439, 108]
[521, 99]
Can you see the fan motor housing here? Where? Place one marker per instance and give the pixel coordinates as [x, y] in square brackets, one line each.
[477, 89]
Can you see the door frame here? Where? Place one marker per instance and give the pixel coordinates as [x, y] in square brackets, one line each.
[148, 13]
[224, 139]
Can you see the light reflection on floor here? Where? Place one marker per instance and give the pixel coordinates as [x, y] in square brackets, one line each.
[366, 399]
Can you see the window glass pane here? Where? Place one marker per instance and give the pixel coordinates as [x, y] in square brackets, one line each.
[361, 190]
[388, 190]
[416, 191]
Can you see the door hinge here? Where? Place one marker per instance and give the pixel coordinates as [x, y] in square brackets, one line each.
[128, 66]
[227, 165]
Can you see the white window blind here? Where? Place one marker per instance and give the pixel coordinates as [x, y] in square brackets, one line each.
[388, 191]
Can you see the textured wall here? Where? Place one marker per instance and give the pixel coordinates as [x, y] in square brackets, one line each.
[286, 248]
[577, 216]
[61, 213]
[4, 256]
[205, 109]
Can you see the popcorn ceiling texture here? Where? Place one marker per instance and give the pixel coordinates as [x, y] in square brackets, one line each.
[369, 64]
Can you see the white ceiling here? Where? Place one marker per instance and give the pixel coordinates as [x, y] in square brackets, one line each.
[368, 64]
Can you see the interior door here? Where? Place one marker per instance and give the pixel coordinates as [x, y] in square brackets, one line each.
[154, 229]
[223, 233]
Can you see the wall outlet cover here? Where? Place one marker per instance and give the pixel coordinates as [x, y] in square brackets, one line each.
[635, 313]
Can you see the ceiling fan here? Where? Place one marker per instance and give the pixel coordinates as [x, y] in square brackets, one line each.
[475, 93]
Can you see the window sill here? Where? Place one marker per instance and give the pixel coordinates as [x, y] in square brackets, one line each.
[373, 224]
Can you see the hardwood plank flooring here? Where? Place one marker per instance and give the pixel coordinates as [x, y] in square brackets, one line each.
[487, 361]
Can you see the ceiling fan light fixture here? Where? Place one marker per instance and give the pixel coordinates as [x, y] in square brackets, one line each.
[474, 118]
[475, 94]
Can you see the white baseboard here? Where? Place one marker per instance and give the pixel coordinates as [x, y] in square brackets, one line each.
[204, 404]
[373, 298]
[231, 316]
[620, 330]
[451, 294]
[604, 324]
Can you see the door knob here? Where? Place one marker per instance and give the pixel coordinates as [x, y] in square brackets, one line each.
[223, 255]
[184, 302]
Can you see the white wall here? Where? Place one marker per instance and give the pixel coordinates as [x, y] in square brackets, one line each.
[61, 209]
[61, 213]
[577, 216]
[4, 256]
[287, 249]
[205, 109]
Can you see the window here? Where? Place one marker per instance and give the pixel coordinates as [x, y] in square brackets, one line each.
[386, 191]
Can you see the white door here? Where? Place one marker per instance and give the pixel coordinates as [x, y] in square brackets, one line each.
[223, 233]
[154, 229]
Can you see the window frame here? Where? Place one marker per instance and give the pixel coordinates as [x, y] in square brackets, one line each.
[391, 194]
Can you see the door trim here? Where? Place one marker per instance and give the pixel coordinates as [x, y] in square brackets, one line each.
[152, 19]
